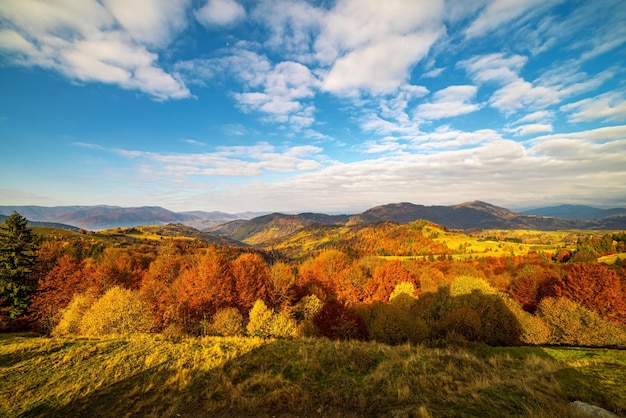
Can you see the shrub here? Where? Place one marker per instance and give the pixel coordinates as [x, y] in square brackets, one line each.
[260, 324]
[227, 322]
[534, 285]
[283, 326]
[463, 285]
[339, 322]
[392, 324]
[118, 311]
[72, 316]
[265, 323]
[573, 324]
[532, 328]
[308, 307]
[462, 321]
[403, 295]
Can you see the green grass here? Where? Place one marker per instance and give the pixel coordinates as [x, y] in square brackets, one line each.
[153, 376]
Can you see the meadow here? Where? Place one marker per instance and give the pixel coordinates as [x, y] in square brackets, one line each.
[155, 376]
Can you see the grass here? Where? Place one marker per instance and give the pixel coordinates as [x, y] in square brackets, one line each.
[153, 376]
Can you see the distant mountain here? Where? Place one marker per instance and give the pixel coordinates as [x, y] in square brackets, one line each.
[463, 216]
[578, 212]
[471, 215]
[101, 217]
[252, 229]
[44, 224]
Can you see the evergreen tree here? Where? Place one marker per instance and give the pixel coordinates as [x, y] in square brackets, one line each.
[17, 258]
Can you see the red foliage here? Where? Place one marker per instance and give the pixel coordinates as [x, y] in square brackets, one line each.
[339, 322]
[205, 287]
[595, 287]
[386, 278]
[531, 287]
[56, 289]
[252, 282]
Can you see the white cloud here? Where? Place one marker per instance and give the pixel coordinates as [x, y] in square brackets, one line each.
[495, 67]
[292, 25]
[283, 90]
[500, 12]
[449, 102]
[610, 106]
[93, 42]
[371, 46]
[531, 129]
[220, 13]
[149, 22]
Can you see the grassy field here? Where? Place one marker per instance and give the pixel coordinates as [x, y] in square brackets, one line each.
[152, 376]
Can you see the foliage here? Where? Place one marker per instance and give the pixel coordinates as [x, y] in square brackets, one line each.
[72, 316]
[573, 324]
[227, 322]
[595, 287]
[118, 311]
[533, 329]
[403, 295]
[266, 323]
[532, 285]
[17, 257]
[339, 322]
[464, 285]
[392, 323]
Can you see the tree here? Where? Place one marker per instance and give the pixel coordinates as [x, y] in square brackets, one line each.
[17, 256]
[596, 288]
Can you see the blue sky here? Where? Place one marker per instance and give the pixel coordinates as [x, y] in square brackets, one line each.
[328, 106]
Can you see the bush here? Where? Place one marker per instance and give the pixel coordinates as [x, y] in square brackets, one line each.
[391, 324]
[119, 311]
[462, 321]
[260, 324]
[227, 322]
[72, 316]
[573, 324]
[464, 285]
[532, 328]
[339, 322]
[404, 295]
[265, 323]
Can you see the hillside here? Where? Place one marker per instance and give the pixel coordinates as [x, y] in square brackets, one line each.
[271, 229]
[231, 377]
[268, 228]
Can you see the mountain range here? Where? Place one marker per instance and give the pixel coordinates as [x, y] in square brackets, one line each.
[256, 227]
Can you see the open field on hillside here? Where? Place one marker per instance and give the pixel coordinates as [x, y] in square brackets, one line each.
[155, 376]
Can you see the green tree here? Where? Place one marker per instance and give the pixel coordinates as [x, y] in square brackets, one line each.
[17, 257]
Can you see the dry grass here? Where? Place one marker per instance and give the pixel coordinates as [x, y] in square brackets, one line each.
[151, 376]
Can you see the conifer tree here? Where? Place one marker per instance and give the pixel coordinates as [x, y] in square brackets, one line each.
[17, 258]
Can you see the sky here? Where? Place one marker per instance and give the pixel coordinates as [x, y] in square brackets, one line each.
[324, 106]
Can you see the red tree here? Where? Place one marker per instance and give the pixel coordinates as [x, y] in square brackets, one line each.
[595, 287]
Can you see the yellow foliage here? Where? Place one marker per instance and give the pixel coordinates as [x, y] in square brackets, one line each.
[465, 285]
[72, 316]
[118, 311]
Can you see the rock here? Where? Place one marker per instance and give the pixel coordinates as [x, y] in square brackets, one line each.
[591, 411]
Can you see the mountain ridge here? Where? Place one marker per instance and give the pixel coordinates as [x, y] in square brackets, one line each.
[265, 227]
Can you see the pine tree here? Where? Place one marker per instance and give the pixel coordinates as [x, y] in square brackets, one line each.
[17, 258]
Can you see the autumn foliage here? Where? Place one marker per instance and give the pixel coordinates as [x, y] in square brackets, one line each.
[349, 289]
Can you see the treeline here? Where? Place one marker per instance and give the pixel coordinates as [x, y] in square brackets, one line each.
[179, 287]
